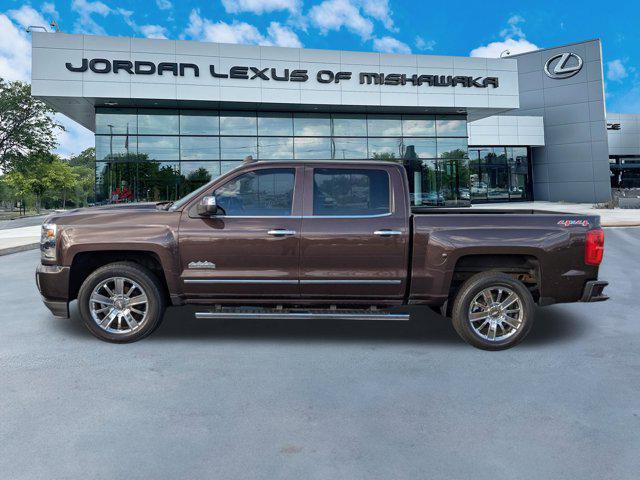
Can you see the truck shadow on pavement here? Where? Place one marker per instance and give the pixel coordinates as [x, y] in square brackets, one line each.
[552, 325]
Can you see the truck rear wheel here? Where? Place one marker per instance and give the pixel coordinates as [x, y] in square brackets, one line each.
[121, 302]
[493, 311]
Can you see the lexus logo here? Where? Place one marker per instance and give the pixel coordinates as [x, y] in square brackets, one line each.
[563, 66]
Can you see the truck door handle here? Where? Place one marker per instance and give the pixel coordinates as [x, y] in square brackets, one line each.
[281, 233]
[387, 233]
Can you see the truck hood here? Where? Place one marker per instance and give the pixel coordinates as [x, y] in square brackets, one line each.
[135, 213]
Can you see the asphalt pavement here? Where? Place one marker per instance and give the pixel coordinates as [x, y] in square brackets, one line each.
[322, 400]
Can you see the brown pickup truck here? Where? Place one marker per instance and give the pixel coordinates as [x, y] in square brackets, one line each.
[316, 240]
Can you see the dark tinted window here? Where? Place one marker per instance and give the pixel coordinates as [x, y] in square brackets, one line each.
[261, 192]
[341, 191]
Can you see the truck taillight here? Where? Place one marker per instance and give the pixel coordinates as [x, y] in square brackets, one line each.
[594, 247]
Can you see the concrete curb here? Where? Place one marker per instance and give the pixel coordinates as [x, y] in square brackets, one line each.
[619, 224]
[19, 248]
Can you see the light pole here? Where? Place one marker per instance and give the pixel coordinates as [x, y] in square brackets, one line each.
[110, 161]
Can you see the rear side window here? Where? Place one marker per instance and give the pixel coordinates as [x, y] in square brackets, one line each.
[261, 192]
[341, 191]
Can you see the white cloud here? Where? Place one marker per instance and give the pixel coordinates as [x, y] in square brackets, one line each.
[50, 9]
[283, 36]
[149, 30]
[379, 9]
[513, 27]
[261, 6]
[153, 31]
[390, 45]
[616, 71]
[86, 10]
[15, 51]
[335, 14]
[200, 28]
[514, 41]
[494, 49]
[195, 26]
[164, 4]
[27, 16]
[422, 44]
[127, 17]
[236, 32]
[354, 15]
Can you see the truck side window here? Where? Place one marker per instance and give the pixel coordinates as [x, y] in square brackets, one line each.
[267, 192]
[341, 191]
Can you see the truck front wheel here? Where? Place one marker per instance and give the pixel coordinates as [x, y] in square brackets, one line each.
[493, 311]
[121, 302]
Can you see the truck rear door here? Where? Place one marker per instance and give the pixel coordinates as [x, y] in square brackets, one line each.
[355, 233]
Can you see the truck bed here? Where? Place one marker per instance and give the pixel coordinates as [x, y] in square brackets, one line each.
[553, 242]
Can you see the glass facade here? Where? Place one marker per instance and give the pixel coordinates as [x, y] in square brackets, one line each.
[159, 154]
[499, 174]
[625, 171]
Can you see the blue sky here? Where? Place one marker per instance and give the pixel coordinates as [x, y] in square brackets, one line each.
[401, 26]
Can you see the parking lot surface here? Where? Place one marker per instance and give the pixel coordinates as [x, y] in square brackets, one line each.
[322, 400]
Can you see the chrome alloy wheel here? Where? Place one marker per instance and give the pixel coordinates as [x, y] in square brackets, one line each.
[118, 305]
[496, 313]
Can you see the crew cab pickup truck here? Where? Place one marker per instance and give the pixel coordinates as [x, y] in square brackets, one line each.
[331, 240]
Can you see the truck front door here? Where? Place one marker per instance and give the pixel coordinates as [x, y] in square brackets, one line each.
[252, 248]
[355, 233]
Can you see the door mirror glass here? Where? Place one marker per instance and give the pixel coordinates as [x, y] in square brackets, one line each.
[208, 206]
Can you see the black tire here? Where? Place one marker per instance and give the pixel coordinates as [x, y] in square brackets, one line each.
[146, 281]
[474, 287]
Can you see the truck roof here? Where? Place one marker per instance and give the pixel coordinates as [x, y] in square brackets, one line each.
[322, 162]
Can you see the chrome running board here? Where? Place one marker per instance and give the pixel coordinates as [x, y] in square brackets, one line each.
[300, 314]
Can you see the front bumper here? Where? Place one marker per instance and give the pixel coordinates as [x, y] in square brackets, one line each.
[593, 291]
[53, 284]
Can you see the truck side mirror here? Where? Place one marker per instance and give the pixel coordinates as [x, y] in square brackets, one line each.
[207, 206]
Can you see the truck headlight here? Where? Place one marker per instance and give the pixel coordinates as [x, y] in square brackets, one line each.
[48, 237]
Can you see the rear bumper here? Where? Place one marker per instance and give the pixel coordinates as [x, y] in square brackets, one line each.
[593, 291]
[53, 284]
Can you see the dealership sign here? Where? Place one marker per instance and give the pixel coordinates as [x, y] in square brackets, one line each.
[126, 67]
[563, 65]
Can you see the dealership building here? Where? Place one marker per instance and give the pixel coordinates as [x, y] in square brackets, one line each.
[170, 115]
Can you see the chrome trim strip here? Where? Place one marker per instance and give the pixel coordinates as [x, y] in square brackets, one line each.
[388, 214]
[217, 280]
[222, 217]
[389, 233]
[292, 282]
[304, 315]
[351, 282]
[297, 217]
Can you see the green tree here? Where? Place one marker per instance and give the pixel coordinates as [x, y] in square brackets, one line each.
[84, 189]
[42, 174]
[26, 124]
[385, 157]
[19, 185]
[62, 179]
[86, 158]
